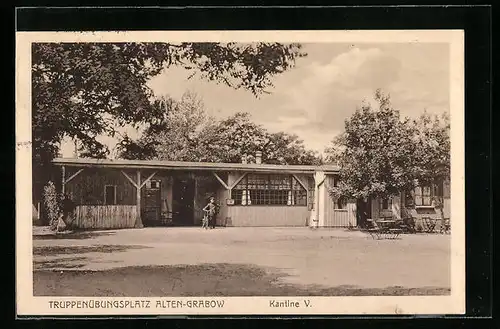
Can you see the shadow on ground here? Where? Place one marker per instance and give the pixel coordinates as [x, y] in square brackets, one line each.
[61, 263]
[77, 235]
[196, 280]
[71, 250]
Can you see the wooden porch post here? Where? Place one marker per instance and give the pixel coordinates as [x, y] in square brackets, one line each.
[138, 222]
[319, 179]
[63, 179]
[195, 205]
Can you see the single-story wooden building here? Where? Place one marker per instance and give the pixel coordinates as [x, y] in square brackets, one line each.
[135, 193]
[419, 203]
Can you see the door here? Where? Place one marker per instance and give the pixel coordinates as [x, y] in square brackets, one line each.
[152, 203]
[363, 211]
[183, 201]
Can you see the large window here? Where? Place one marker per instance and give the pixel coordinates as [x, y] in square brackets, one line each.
[425, 194]
[282, 190]
[385, 203]
[336, 180]
[340, 203]
[438, 190]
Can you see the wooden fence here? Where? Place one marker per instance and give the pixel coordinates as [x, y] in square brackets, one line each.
[105, 217]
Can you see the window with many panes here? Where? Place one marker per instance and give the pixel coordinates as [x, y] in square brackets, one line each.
[258, 189]
[385, 203]
[424, 195]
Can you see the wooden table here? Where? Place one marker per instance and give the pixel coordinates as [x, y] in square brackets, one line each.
[386, 223]
[388, 228]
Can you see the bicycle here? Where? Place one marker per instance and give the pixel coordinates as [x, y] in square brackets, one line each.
[204, 221]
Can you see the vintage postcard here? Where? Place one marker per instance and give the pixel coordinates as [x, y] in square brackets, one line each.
[240, 173]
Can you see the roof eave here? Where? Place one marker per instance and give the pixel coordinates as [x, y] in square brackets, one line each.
[189, 166]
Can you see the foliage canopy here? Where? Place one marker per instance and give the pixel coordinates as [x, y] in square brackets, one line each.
[189, 134]
[82, 90]
[381, 154]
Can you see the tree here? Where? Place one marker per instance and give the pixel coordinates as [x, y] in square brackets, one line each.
[51, 201]
[83, 90]
[432, 139]
[381, 155]
[375, 153]
[229, 139]
[171, 138]
[284, 148]
[190, 135]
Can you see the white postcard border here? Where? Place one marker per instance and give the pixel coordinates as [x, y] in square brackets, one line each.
[27, 304]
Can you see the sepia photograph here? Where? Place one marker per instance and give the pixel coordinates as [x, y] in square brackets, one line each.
[178, 171]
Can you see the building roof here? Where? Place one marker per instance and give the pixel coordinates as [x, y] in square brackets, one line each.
[191, 166]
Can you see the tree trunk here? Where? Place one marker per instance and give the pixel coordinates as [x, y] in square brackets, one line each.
[441, 209]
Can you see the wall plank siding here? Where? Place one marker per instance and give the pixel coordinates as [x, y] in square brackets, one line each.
[105, 217]
[88, 187]
[268, 216]
[337, 217]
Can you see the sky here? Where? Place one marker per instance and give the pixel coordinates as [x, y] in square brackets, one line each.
[314, 98]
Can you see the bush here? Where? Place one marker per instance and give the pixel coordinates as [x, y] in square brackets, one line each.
[51, 201]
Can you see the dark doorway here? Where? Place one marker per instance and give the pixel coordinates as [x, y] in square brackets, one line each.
[364, 211]
[183, 201]
[152, 203]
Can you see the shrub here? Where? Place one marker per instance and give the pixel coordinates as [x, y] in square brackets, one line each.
[51, 201]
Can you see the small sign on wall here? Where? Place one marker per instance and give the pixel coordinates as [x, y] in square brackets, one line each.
[153, 184]
[230, 202]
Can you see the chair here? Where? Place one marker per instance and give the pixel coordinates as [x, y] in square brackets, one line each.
[408, 224]
[429, 224]
[373, 229]
[445, 226]
[394, 232]
[166, 218]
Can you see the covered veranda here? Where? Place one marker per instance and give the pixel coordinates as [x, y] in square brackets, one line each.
[137, 193]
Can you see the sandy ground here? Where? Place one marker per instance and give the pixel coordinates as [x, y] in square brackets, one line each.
[325, 257]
